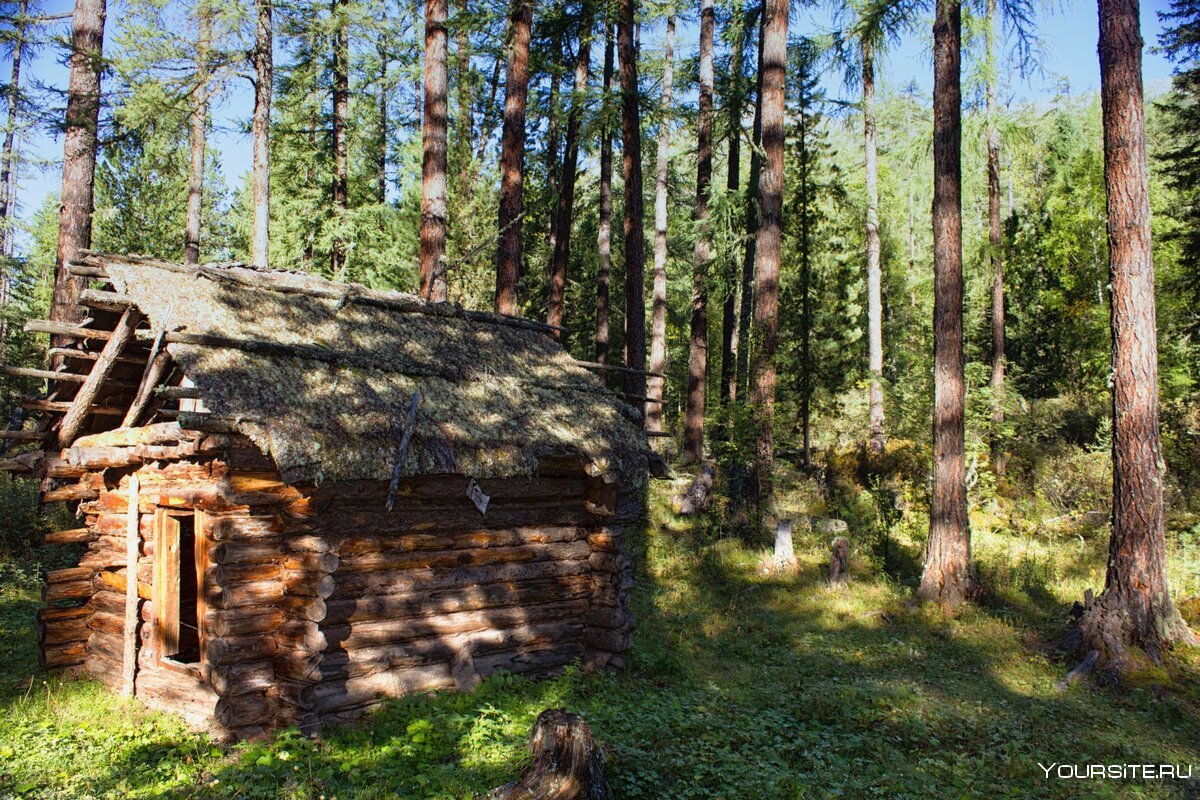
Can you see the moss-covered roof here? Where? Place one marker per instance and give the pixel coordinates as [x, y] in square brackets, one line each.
[495, 397]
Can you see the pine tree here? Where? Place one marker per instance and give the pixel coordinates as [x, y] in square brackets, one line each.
[512, 159]
[658, 312]
[635, 258]
[433, 171]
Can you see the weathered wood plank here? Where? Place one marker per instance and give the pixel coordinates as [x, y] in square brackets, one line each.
[72, 422]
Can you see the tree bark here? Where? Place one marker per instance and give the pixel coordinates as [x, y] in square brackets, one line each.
[381, 145]
[995, 241]
[604, 233]
[658, 315]
[197, 138]
[769, 244]
[874, 271]
[512, 158]
[261, 131]
[746, 304]
[561, 255]
[567, 763]
[79, 155]
[8, 182]
[948, 574]
[805, 278]
[341, 152]
[433, 166]
[635, 253]
[693, 422]
[1136, 607]
[733, 177]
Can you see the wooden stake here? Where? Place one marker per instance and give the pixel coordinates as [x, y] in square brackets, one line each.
[410, 422]
[156, 367]
[132, 540]
[72, 422]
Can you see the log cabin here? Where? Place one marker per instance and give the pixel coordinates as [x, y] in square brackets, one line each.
[298, 498]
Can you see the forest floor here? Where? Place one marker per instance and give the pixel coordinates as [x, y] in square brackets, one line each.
[742, 684]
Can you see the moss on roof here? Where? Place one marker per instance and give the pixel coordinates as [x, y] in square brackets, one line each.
[495, 398]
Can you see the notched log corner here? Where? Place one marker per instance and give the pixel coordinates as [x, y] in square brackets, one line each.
[568, 763]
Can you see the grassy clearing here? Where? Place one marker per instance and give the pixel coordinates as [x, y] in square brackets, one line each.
[743, 684]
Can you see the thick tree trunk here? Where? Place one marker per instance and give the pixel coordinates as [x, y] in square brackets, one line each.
[693, 421]
[635, 245]
[341, 148]
[197, 139]
[604, 234]
[79, 155]
[261, 130]
[1135, 608]
[561, 255]
[433, 168]
[512, 158]
[658, 314]
[746, 304]
[948, 575]
[874, 271]
[805, 282]
[733, 178]
[770, 240]
[995, 243]
[552, 134]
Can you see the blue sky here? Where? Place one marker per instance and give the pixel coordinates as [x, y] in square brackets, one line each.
[1069, 46]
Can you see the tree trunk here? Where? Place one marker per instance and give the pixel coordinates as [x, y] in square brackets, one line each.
[995, 242]
[874, 272]
[561, 256]
[381, 146]
[658, 316]
[770, 235]
[604, 233]
[197, 139]
[635, 253]
[552, 164]
[693, 422]
[567, 763]
[512, 158]
[261, 130]
[8, 182]
[79, 155]
[341, 152]
[733, 177]
[746, 303]
[805, 279]
[433, 165]
[948, 575]
[1136, 607]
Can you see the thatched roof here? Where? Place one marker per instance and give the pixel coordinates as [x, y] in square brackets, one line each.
[334, 368]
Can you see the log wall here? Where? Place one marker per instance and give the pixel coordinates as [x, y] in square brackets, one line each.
[318, 603]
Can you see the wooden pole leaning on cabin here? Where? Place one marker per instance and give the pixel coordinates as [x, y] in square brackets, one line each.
[410, 422]
[132, 537]
[156, 367]
[72, 422]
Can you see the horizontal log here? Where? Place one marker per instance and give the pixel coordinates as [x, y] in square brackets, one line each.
[309, 584]
[613, 641]
[158, 433]
[535, 661]
[107, 601]
[103, 669]
[238, 649]
[70, 493]
[233, 680]
[468, 598]
[301, 635]
[61, 407]
[607, 617]
[239, 711]
[239, 529]
[352, 547]
[105, 301]
[73, 590]
[108, 623]
[179, 392]
[357, 691]
[93, 355]
[307, 561]
[115, 582]
[243, 621]
[245, 553]
[313, 608]
[357, 585]
[54, 633]
[298, 665]
[62, 656]
[66, 329]
[262, 593]
[83, 271]
[372, 634]
[231, 574]
[593, 365]
[72, 536]
[25, 436]
[181, 693]
[435, 559]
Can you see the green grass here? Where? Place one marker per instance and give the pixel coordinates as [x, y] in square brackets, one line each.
[742, 685]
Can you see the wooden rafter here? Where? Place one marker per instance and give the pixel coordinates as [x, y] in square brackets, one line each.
[156, 367]
[72, 422]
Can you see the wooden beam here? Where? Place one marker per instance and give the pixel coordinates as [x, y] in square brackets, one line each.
[206, 422]
[43, 374]
[81, 271]
[660, 434]
[66, 329]
[70, 493]
[73, 536]
[62, 406]
[132, 607]
[105, 301]
[156, 367]
[72, 422]
[130, 437]
[25, 436]
[179, 392]
[92, 355]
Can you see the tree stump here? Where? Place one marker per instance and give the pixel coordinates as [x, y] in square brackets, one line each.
[698, 495]
[568, 764]
[785, 551]
[839, 563]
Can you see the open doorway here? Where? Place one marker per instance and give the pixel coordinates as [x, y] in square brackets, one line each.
[178, 580]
